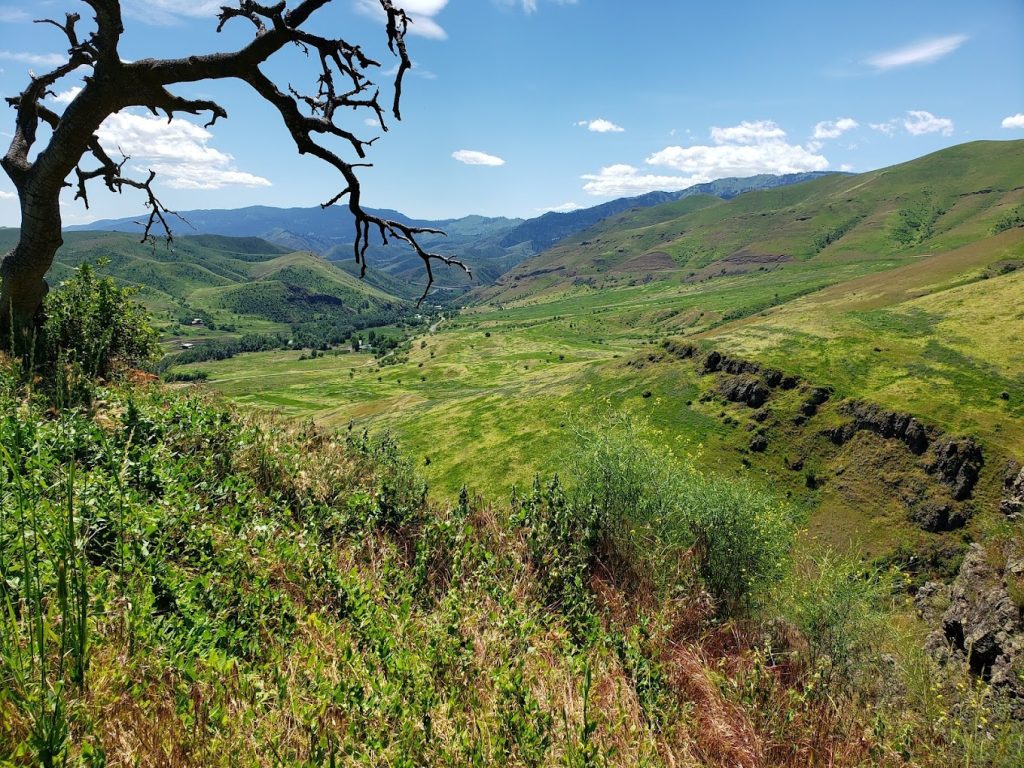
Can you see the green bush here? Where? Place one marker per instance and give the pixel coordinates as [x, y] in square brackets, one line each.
[742, 536]
[634, 493]
[94, 326]
[840, 608]
[650, 507]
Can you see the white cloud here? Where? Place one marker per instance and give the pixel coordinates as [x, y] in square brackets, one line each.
[833, 129]
[66, 97]
[923, 52]
[34, 59]
[747, 149]
[919, 122]
[1014, 121]
[472, 157]
[888, 128]
[846, 168]
[623, 180]
[747, 132]
[11, 15]
[421, 14]
[178, 151]
[600, 125]
[7, 195]
[563, 208]
[530, 6]
[167, 12]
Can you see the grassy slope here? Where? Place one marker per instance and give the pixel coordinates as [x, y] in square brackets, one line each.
[245, 283]
[944, 335]
[198, 587]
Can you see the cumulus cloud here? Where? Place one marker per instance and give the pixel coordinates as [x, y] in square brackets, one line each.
[600, 125]
[1014, 121]
[747, 132]
[833, 129]
[7, 195]
[421, 14]
[747, 149]
[66, 97]
[623, 180]
[178, 151]
[922, 52]
[563, 208]
[919, 122]
[888, 128]
[472, 157]
[167, 12]
[34, 59]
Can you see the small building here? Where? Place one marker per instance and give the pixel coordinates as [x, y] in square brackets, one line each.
[197, 321]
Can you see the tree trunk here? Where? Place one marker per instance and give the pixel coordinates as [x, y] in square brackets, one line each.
[23, 270]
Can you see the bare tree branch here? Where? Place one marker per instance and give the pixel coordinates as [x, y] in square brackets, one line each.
[342, 83]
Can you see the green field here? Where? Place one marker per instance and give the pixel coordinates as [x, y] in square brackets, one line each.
[496, 394]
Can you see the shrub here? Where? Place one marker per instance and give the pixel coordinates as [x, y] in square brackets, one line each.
[839, 607]
[742, 536]
[650, 508]
[632, 488]
[94, 326]
[560, 539]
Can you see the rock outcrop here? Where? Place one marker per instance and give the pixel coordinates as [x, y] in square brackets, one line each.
[981, 625]
[1012, 504]
[958, 463]
[888, 424]
[744, 389]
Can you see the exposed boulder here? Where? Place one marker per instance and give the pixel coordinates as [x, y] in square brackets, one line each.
[982, 625]
[759, 443]
[958, 463]
[815, 396]
[679, 350]
[1012, 504]
[716, 361]
[934, 516]
[888, 424]
[744, 389]
[712, 362]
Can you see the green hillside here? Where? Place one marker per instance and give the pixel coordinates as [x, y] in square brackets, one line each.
[928, 329]
[829, 228]
[233, 285]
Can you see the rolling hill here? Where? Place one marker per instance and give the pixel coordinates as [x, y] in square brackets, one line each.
[883, 297]
[491, 246]
[233, 285]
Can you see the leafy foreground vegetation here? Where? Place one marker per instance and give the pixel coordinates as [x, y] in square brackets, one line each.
[186, 584]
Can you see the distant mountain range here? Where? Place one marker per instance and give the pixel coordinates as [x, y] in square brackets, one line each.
[490, 245]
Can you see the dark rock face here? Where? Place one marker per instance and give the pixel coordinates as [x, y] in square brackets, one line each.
[712, 362]
[760, 415]
[957, 462]
[1012, 504]
[935, 516]
[759, 443]
[744, 389]
[982, 625]
[716, 361]
[680, 351]
[815, 396]
[899, 426]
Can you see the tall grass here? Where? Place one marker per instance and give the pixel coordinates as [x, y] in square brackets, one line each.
[45, 623]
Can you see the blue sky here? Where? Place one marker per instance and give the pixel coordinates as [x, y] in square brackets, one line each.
[520, 106]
